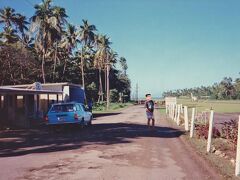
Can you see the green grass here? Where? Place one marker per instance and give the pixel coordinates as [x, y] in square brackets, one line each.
[221, 106]
[113, 107]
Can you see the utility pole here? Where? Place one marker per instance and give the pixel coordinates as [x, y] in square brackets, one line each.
[137, 92]
[108, 69]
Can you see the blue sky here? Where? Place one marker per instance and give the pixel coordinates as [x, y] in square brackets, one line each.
[168, 44]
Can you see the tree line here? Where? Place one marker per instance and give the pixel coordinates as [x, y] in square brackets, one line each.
[226, 89]
[47, 48]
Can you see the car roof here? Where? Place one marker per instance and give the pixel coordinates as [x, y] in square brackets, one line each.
[67, 103]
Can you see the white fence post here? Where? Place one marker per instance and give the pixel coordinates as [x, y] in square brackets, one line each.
[210, 131]
[178, 114]
[170, 110]
[192, 123]
[186, 118]
[167, 110]
[181, 108]
[237, 168]
[175, 114]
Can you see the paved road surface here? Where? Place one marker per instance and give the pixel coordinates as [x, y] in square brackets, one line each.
[118, 146]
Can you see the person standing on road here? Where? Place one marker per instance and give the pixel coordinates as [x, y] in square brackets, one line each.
[149, 105]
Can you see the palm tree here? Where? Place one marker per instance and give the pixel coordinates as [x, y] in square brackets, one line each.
[47, 30]
[21, 24]
[112, 60]
[69, 41]
[123, 63]
[100, 59]
[7, 16]
[87, 38]
[60, 14]
[9, 35]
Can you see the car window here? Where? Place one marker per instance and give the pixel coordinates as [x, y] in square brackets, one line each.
[63, 108]
[84, 108]
[78, 107]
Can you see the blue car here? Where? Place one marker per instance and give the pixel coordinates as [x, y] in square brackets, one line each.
[68, 113]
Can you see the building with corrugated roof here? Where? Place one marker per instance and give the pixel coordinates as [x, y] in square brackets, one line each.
[25, 105]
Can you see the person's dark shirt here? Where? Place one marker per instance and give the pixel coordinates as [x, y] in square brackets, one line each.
[149, 106]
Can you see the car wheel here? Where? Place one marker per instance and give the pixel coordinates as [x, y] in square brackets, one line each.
[90, 122]
[82, 123]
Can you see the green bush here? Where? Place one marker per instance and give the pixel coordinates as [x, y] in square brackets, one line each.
[114, 95]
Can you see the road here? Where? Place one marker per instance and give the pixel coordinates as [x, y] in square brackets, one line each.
[117, 146]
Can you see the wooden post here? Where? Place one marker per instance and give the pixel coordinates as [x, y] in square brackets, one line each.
[210, 131]
[192, 123]
[186, 118]
[167, 110]
[237, 167]
[178, 114]
[108, 91]
[172, 111]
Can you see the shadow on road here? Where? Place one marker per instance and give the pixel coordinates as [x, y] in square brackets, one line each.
[105, 114]
[23, 142]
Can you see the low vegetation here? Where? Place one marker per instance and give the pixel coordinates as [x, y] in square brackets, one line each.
[101, 107]
[224, 90]
[229, 131]
[202, 131]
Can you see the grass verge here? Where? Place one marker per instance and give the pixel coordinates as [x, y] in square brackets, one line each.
[112, 108]
[221, 106]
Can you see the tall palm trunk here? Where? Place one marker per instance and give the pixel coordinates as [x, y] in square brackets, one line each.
[82, 70]
[43, 70]
[100, 92]
[105, 80]
[64, 68]
[55, 62]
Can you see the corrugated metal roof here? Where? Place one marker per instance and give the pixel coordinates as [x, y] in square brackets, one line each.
[11, 90]
[46, 84]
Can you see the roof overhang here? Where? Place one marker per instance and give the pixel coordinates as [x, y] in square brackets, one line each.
[43, 85]
[20, 91]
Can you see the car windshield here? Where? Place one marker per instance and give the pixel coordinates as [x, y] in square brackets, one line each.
[63, 108]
